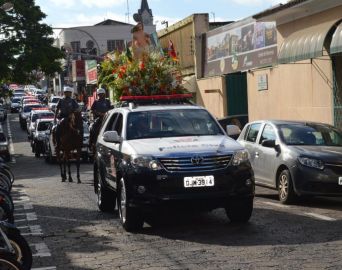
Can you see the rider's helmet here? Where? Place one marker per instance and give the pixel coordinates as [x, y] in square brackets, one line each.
[101, 91]
[68, 89]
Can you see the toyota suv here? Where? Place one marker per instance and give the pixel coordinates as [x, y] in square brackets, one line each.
[150, 155]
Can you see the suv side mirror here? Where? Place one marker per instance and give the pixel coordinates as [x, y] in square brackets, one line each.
[268, 143]
[233, 131]
[112, 136]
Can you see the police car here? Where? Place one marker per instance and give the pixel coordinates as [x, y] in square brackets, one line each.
[163, 152]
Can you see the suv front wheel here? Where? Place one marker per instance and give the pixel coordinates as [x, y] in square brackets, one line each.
[239, 209]
[131, 218]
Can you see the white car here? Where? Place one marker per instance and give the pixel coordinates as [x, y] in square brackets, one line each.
[53, 102]
[34, 116]
[40, 135]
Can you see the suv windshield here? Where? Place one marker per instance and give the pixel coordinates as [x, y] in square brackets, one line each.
[29, 108]
[171, 123]
[42, 126]
[310, 134]
[55, 100]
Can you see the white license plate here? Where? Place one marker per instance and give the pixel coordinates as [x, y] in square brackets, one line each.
[199, 181]
[340, 181]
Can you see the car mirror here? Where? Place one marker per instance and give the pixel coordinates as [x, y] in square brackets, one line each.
[112, 136]
[269, 143]
[233, 131]
[48, 132]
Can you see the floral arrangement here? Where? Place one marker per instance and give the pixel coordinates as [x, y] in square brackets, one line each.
[152, 74]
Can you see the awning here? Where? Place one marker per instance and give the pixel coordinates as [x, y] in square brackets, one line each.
[336, 42]
[304, 44]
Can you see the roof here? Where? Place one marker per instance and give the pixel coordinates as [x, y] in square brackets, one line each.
[111, 22]
[293, 122]
[144, 6]
[278, 8]
[213, 25]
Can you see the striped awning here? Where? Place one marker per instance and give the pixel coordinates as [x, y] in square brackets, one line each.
[304, 44]
[336, 42]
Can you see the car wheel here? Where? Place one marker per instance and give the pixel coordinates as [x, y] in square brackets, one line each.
[131, 218]
[106, 199]
[239, 210]
[285, 187]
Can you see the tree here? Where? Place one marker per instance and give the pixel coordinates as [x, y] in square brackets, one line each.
[26, 44]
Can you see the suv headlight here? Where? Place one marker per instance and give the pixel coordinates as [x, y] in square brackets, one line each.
[145, 162]
[240, 157]
[3, 148]
[311, 162]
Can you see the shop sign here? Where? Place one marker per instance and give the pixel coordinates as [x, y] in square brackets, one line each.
[78, 70]
[262, 82]
[91, 71]
[240, 46]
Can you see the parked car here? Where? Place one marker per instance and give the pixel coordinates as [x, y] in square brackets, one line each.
[25, 112]
[53, 102]
[34, 116]
[296, 158]
[157, 154]
[15, 104]
[4, 146]
[3, 113]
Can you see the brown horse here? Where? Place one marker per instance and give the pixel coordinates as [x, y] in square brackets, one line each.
[71, 139]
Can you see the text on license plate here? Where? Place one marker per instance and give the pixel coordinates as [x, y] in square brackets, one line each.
[199, 181]
[340, 181]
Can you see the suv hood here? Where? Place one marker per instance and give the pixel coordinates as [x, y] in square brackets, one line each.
[184, 145]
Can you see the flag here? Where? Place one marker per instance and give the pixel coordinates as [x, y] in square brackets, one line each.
[172, 51]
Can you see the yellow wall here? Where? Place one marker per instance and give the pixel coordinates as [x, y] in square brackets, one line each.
[296, 91]
[212, 96]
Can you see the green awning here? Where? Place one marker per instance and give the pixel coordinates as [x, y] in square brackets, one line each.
[336, 42]
[304, 44]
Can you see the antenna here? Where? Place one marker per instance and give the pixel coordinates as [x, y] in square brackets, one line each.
[127, 12]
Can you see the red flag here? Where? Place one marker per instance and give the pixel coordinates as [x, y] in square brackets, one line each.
[171, 51]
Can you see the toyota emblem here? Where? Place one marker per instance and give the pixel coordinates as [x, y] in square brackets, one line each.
[196, 160]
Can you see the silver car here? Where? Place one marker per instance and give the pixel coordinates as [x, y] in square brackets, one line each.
[296, 158]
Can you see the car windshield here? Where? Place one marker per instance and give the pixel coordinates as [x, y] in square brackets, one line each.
[15, 100]
[171, 123]
[42, 126]
[55, 100]
[310, 134]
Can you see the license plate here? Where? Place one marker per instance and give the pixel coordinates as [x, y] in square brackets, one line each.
[340, 181]
[199, 181]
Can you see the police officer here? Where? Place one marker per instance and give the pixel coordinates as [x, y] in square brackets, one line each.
[99, 109]
[64, 107]
[101, 105]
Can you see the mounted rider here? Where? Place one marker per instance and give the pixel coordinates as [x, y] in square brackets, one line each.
[64, 108]
[98, 109]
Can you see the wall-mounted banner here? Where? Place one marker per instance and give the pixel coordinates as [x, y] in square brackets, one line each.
[91, 71]
[240, 46]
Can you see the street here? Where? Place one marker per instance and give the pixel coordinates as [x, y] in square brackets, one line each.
[66, 230]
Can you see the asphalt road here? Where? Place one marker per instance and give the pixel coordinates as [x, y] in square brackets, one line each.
[67, 231]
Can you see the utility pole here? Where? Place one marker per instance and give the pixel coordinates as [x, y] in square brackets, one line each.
[127, 12]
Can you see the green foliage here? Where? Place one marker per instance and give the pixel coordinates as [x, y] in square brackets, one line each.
[153, 75]
[27, 44]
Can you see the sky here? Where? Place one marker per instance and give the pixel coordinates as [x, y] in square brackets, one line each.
[70, 13]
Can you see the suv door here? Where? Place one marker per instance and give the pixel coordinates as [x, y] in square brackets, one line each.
[110, 151]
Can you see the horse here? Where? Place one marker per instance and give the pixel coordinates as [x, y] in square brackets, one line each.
[71, 138]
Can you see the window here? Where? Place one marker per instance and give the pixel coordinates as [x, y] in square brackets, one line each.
[253, 132]
[76, 46]
[267, 134]
[115, 123]
[113, 45]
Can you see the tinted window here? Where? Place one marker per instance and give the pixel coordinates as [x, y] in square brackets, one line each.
[55, 100]
[268, 134]
[2, 137]
[171, 123]
[253, 132]
[42, 126]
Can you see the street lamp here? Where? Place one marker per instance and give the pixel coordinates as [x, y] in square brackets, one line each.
[165, 22]
[7, 6]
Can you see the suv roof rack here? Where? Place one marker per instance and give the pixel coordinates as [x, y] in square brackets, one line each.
[156, 100]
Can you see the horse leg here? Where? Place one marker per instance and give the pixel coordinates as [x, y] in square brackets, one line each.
[69, 170]
[60, 162]
[78, 166]
[64, 168]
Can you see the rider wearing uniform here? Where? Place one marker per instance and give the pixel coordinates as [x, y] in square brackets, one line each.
[64, 108]
[99, 109]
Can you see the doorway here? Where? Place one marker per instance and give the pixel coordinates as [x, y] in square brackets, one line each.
[337, 90]
[236, 89]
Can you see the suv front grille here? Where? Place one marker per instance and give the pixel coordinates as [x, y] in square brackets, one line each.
[189, 163]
